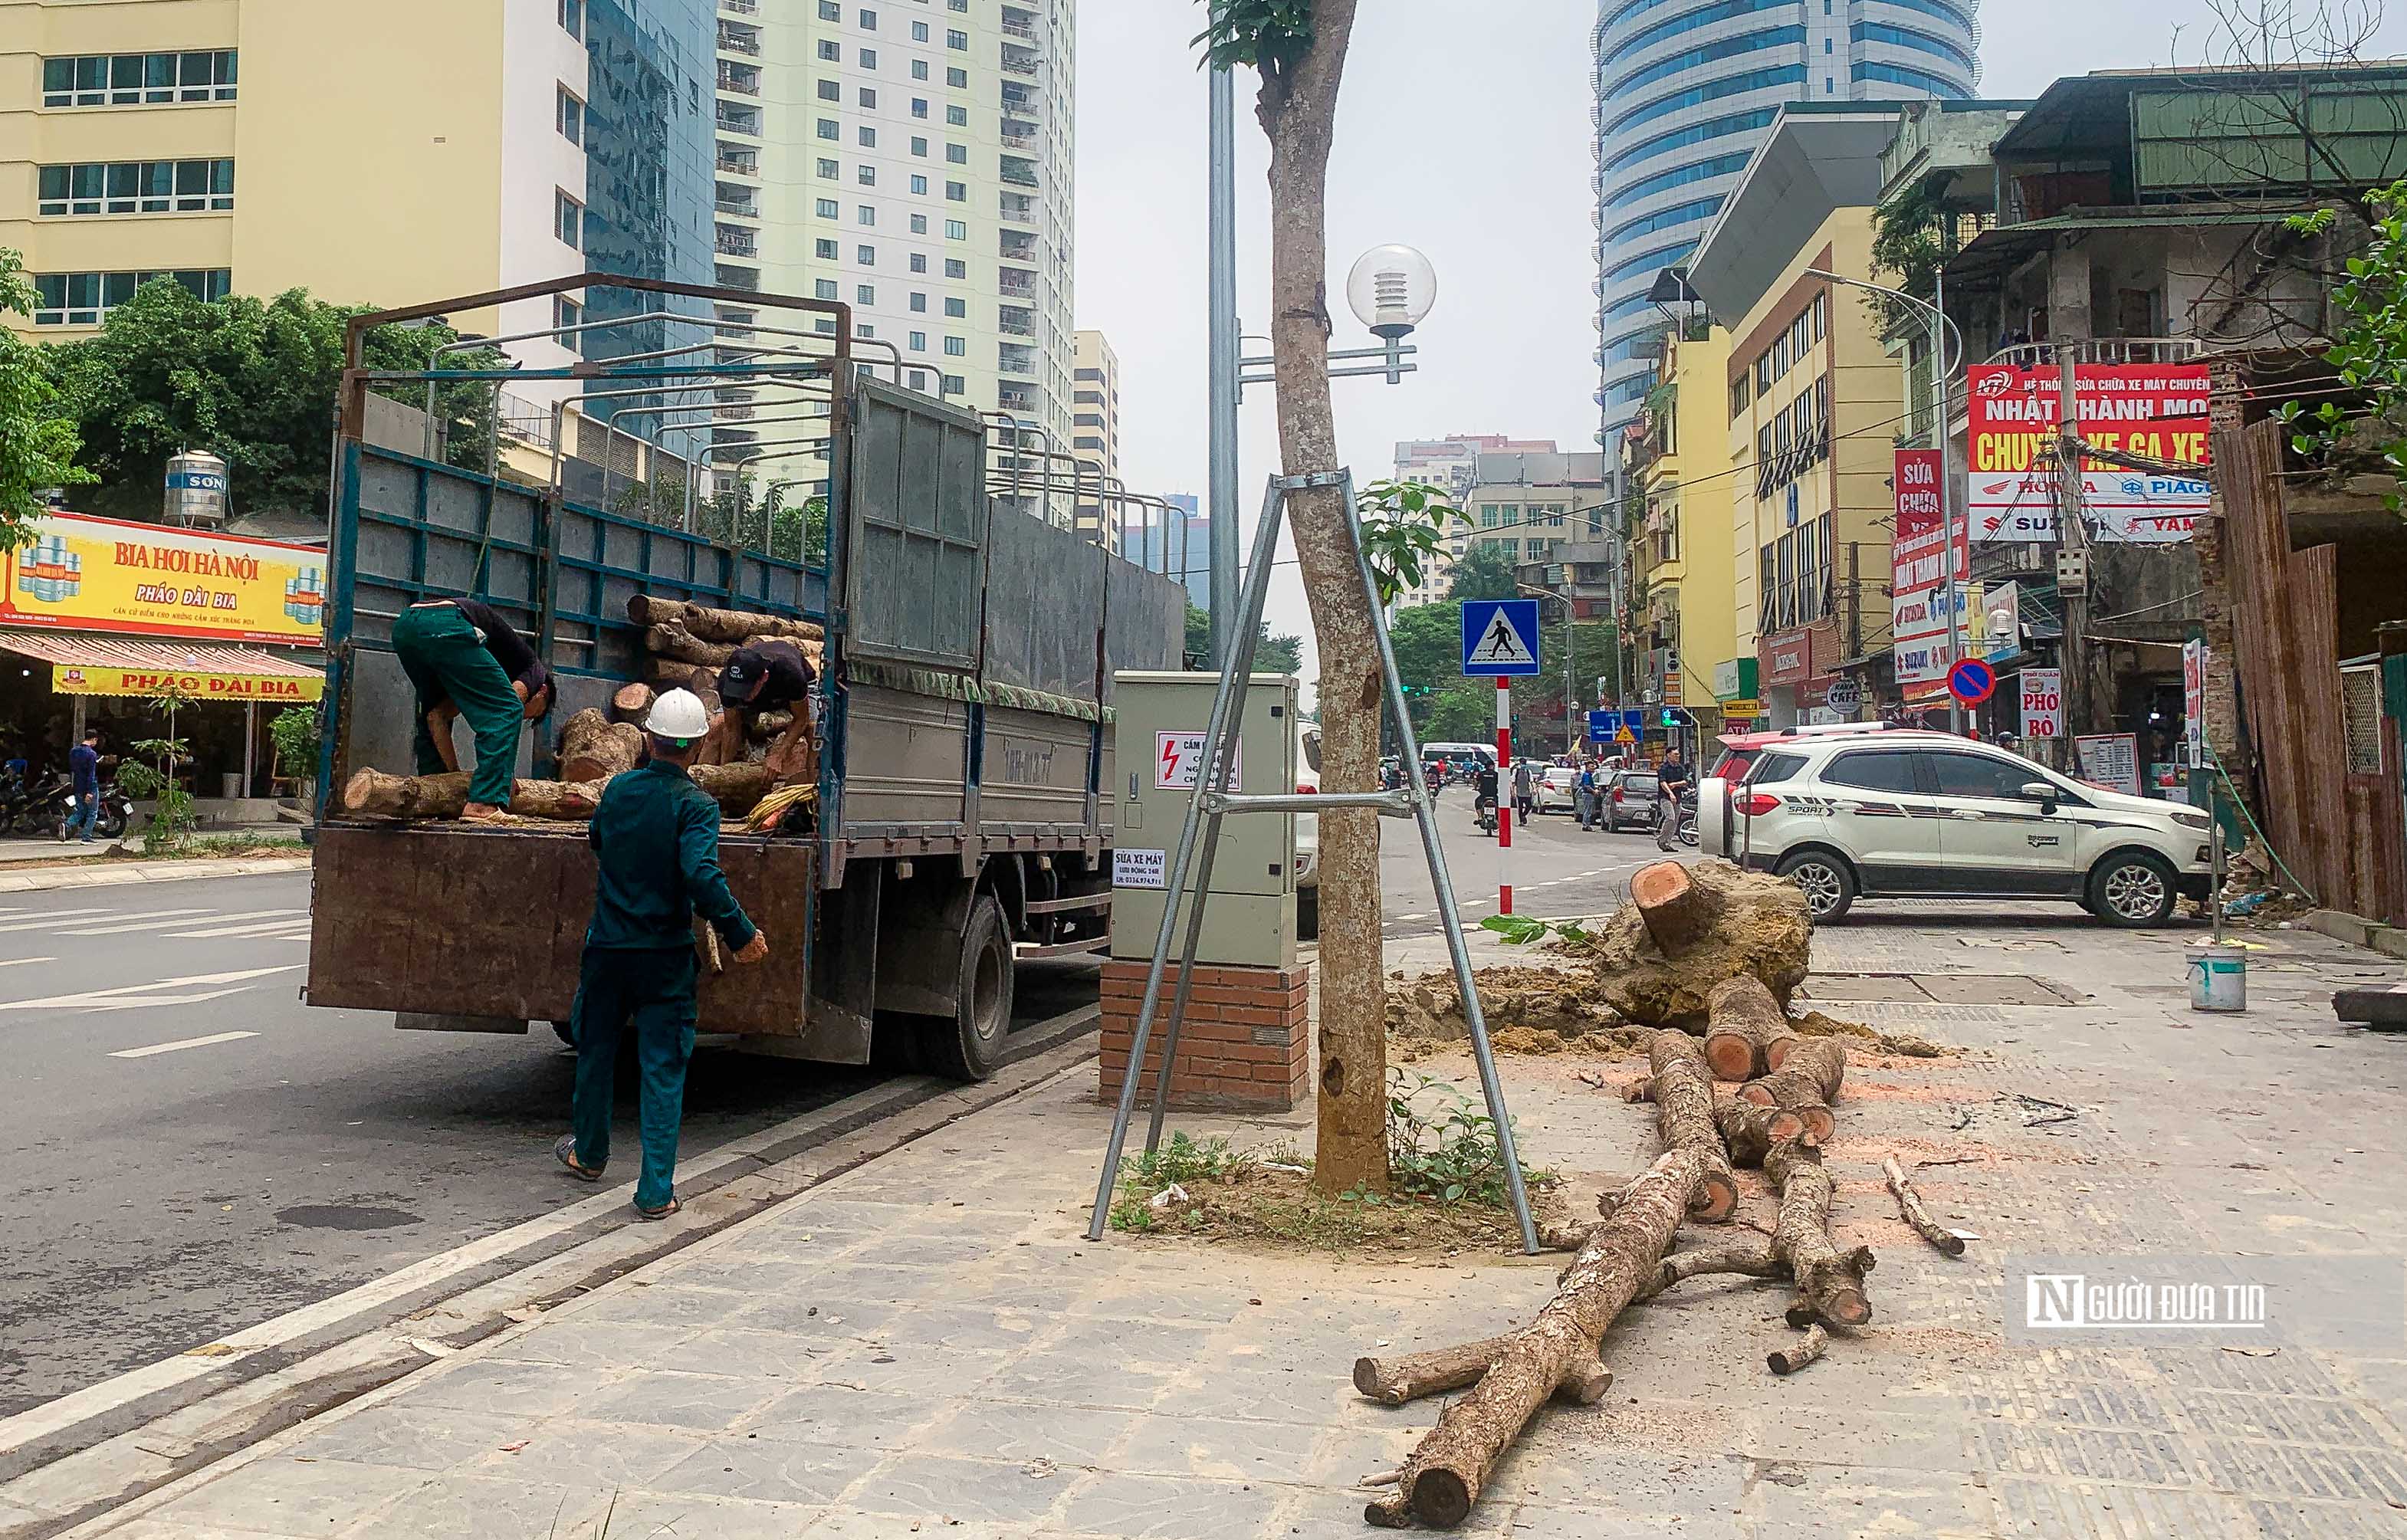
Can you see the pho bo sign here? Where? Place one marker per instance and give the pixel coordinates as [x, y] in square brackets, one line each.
[2042, 703]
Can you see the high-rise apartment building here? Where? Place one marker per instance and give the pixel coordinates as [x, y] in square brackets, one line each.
[1687, 89]
[1178, 544]
[911, 158]
[1451, 464]
[1095, 431]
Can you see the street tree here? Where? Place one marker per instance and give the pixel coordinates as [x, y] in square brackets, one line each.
[1274, 652]
[1482, 574]
[37, 439]
[1297, 48]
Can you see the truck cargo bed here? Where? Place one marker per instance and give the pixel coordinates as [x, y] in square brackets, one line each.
[447, 919]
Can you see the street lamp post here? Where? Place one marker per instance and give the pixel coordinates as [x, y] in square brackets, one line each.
[1562, 594]
[1942, 374]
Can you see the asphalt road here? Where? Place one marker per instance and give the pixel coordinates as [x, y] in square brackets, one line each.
[1557, 870]
[191, 1150]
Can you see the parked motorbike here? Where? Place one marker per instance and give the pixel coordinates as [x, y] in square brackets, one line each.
[38, 812]
[116, 812]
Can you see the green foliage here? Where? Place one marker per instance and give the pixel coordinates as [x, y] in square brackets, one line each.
[1441, 1147]
[1184, 1161]
[38, 442]
[1402, 525]
[1268, 35]
[1274, 652]
[1462, 712]
[1482, 574]
[1912, 235]
[294, 730]
[2370, 355]
[1520, 930]
[251, 380]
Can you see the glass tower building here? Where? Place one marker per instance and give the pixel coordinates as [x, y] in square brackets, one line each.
[1685, 91]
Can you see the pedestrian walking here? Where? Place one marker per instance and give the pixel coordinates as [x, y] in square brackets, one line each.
[464, 659]
[1584, 794]
[655, 839]
[1672, 786]
[83, 784]
[1525, 789]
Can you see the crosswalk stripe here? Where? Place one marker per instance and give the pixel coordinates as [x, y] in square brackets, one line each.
[186, 1043]
[253, 926]
[56, 916]
[159, 921]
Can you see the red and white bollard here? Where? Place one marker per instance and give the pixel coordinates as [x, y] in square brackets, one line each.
[1504, 794]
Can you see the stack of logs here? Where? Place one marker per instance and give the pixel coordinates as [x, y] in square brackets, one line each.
[1775, 1114]
[685, 646]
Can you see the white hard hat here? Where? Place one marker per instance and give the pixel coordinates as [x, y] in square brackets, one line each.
[677, 716]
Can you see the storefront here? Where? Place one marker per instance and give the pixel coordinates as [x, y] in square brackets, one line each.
[111, 624]
[1797, 667]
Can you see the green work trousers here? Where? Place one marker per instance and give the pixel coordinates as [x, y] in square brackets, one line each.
[653, 988]
[439, 651]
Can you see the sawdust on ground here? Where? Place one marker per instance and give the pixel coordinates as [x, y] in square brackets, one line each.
[1266, 1210]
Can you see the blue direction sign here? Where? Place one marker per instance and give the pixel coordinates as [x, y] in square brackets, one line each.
[1500, 637]
[1634, 718]
[1970, 681]
[1601, 725]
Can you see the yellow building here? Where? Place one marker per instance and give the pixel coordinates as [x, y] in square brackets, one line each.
[1680, 542]
[1811, 407]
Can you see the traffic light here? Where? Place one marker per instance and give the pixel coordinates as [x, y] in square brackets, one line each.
[1670, 718]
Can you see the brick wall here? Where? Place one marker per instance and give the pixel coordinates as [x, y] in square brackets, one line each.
[1245, 1043]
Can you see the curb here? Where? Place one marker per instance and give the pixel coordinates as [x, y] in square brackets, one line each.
[135, 873]
[142, 1436]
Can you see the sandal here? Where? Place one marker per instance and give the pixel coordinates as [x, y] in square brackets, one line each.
[565, 1151]
[660, 1213]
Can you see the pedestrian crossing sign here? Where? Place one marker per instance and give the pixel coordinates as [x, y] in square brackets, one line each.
[1500, 637]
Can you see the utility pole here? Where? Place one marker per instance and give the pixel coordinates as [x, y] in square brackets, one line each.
[2072, 530]
[1222, 346]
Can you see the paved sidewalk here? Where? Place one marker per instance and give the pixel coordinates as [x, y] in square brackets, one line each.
[928, 1344]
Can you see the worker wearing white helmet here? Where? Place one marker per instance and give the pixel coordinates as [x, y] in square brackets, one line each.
[655, 839]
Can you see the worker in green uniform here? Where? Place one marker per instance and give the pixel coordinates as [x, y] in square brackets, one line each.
[656, 842]
[464, 659]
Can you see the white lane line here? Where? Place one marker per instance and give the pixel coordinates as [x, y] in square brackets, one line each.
[56, 916]
[143, 1002]
[158, 920]
[252, 926]
[89, 997]
[21, 962]
[186, 1043]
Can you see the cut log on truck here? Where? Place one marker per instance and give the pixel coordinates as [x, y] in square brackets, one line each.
[717, 625]
[1445, 1472]
[372, 794]
[1746, 1033]
[632, 703]
[1812, 1071]
[1676, 911]
[671, 639]
[595, 747]
[1829, 1282]
[667, 674]
[1909, 1204]
[1758, 926]
[1682, 1095]
[1750, 1130]
[1397, 1380]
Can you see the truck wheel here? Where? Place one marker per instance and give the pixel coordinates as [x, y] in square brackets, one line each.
[968, 1046]
[1307, 914]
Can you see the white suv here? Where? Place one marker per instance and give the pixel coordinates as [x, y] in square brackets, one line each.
[1928, 815]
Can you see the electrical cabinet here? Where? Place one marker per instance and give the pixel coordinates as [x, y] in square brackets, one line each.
[1161, 719]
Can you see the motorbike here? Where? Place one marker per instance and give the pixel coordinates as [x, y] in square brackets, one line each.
[1486, 814]
[38, 813]
[116, 811]
[1684, 826]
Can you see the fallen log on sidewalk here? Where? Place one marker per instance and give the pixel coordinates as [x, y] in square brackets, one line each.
[1806, 1083]
[1909, 1204]
[1746, 1033]
[1750, 1131]
[1397, 1380]
[1682, 1095]
[595, 747]
[1746, 1258]
[1788, 1361]
[1829, 1282]
[1446, 1471]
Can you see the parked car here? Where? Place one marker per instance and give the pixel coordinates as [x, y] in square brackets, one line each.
[1556, 789]
[1927, 814]
[1307, 834]
[1630, 800]
[1741, 749]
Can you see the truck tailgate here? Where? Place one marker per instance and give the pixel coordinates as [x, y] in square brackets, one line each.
[453, 920]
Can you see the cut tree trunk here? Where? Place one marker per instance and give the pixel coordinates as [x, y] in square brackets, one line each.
[1746, 1033]
[667, 674]
[1750, 1131]
[595, 747]
[717, 625]
[1444, 1476]
[1760, 927]
[1788, 1361]
[1792, 1096]
[372, 794]
[671, 639]
[1812, 1069]
[1397, 1380]
[1684, 1120]
[632, 703]
[1909, 1204]
[1829, 1282]
[1749, 1259]
[1676, 911]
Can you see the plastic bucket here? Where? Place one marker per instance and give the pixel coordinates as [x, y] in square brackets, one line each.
[2219, 978]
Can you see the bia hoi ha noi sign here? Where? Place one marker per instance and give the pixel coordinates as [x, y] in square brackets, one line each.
[105, 575]
[2158, 410]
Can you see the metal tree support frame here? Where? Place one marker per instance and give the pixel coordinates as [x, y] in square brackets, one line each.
[1213, 798]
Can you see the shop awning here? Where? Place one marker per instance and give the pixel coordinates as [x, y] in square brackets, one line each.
[206, 671]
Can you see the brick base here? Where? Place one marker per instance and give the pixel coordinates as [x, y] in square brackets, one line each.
[1246, 1042]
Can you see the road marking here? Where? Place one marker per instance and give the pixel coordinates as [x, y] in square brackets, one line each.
[248, 927]
[55, 917]
[186, 1043]
[143, 1002]
[157, 920]
[90, 997]
[21, 962]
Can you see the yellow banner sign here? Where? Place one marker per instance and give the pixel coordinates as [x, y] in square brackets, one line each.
[1742, 708]
[105, 575]
[85, 679]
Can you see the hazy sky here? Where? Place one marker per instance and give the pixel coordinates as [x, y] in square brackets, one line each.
[1463, 129]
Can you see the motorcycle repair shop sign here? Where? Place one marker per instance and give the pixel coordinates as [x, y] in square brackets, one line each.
[2154, 410]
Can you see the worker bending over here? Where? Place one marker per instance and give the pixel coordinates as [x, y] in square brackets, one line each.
[771, 674]
[656, 843]
[464, 658]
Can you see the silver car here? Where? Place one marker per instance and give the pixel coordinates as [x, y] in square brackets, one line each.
[1631, 798]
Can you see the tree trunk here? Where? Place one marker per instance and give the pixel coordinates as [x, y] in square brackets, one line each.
[1749, 1259]
[717, 625]
[1751, 1130]
[1909, 1204]
[1829, 1282]
[1811, 1071]
[1677, 910]
[374, 793]
[1397, 1380]
[1445, 1472]
[1297, 107]
[593, 747]
[1792, 1096]
[671, 639]
[632, 703]
[1746, 1033]
[1684, 1120]
[667, 674]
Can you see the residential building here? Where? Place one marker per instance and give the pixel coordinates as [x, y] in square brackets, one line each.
[1810, 403]
[1685, 91]
[1682, 629]
[1178, 544]
[1536, 506]
[1095, 432]
[1451, 464]
[912, 158]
